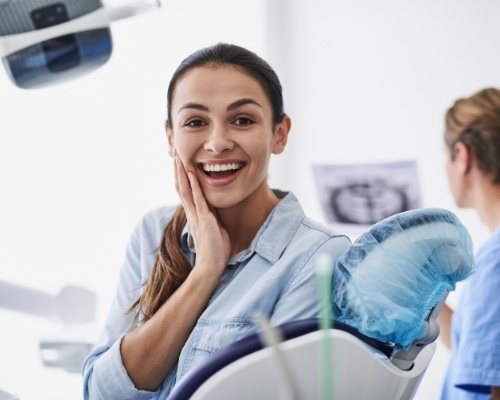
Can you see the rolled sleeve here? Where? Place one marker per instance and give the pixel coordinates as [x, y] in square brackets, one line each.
[108, 379]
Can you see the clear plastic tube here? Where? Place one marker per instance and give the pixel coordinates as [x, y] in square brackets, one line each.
[324, 273]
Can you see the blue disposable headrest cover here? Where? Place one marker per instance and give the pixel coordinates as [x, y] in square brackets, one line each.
[389, 279]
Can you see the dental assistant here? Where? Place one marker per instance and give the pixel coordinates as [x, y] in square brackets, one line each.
[472, 330]
[196, 275]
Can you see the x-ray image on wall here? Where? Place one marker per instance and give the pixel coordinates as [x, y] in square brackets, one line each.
[366, 193]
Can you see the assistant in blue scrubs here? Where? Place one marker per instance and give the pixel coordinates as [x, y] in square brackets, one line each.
[472, 137]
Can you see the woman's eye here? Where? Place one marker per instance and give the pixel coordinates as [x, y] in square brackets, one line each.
[243, 121]
[195, 123]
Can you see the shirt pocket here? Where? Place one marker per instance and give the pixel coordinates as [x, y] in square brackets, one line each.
[209, 336]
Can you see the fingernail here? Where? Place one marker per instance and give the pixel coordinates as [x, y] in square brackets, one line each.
[190, 176]
[177, 160]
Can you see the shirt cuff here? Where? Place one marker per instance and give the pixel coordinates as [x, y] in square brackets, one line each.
[113, 381]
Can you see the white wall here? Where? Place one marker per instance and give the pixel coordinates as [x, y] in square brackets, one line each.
[81, 162]
[369, 81]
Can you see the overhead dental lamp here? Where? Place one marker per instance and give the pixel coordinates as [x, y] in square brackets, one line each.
[45, 42]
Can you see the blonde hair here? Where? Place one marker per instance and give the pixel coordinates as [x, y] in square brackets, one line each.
[475, 121]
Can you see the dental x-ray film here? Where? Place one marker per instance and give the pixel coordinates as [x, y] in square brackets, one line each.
[363, 194]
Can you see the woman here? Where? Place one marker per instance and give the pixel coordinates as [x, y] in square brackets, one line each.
[472, 137]
[196, 276]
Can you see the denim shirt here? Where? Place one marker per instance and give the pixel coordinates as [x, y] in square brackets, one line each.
[274, 277]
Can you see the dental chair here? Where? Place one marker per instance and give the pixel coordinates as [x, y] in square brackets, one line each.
[388, 288]
[247, 370]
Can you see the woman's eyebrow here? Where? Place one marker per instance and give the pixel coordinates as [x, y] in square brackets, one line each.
[241, 102]
[193, 106]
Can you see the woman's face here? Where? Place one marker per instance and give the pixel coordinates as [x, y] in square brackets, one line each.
[222, 129]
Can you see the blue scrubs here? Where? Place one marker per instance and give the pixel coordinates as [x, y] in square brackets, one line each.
[475, 358]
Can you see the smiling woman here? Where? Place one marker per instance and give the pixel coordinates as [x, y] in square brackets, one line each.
[196, 275]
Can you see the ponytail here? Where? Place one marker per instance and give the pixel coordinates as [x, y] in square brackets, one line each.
[170, 270]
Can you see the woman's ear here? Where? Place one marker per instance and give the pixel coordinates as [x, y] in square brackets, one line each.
[464, 158]
[281, 135]
[170, 139]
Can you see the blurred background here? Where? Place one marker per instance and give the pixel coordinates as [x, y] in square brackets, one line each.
[80, 162]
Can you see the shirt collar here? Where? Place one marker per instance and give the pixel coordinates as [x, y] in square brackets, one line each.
[273, 236]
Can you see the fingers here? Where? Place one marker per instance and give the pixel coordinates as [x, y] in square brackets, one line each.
[175, 176]
[198, 198]
[189, 190]
[182, 185]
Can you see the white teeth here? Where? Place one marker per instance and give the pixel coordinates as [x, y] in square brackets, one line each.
[221, 167]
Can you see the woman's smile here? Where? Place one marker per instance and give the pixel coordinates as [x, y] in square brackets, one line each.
[220, 173]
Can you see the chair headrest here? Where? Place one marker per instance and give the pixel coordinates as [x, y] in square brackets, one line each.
[388, 280]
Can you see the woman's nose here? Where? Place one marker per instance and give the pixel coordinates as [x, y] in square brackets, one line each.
[219, 140]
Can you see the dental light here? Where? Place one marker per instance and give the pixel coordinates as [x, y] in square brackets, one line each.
[45, 42]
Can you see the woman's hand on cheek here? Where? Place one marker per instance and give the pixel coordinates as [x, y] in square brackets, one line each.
[211, 240]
